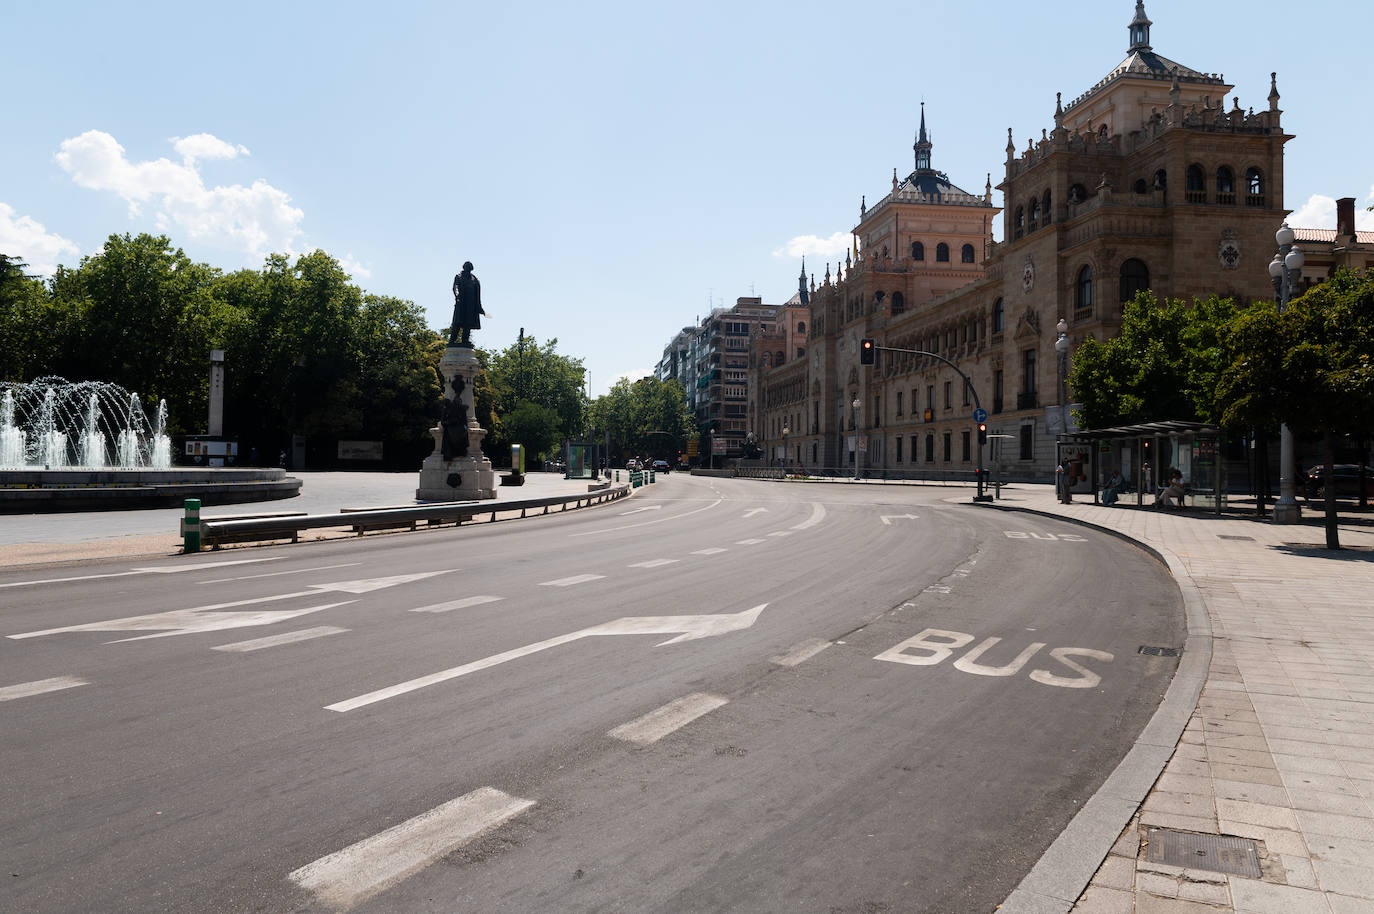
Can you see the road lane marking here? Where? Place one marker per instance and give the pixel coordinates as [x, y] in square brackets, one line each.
[38, 687]
[457, 604]
[645, 508]
[781, 533]
[710, 550]
[654, 563]
[352, 875]
[752, 511]
[650, 522]
[686, 628]
[277, 574]
[801, 651]
[889, 518]
[817, 515]
[748, 542]
[575, 579]
[159, 569]
[258, 644]
[659, 722]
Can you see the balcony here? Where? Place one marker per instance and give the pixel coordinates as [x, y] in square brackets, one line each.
[1027, 400]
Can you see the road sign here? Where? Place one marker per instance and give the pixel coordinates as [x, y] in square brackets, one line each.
[980, 415]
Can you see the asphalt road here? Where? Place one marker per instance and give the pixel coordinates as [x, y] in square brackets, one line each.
[720, 695]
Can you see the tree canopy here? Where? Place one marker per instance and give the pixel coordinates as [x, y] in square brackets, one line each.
[647, 416]
[535, 394]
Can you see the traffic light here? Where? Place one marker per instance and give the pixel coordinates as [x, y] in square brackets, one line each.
[982, 433]
[868, 352]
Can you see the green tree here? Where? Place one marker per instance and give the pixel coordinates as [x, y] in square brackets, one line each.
[647, 416]
[32, 328]
[527, 372]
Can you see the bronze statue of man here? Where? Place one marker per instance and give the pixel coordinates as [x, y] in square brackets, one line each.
[467, 307]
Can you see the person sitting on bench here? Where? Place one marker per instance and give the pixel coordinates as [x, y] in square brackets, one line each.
[1174, 490]
[1113, 488]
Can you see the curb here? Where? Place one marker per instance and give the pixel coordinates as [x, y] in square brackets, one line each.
[1057, 880]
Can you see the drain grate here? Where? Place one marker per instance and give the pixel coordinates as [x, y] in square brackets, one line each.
[1217, 853]
[1158, 651]
[1235, 536]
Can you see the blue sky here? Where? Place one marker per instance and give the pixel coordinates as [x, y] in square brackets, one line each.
[612, 170]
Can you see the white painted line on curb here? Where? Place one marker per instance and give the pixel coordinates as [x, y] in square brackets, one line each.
[457, 604]
[658, 723]
[654, 563]
[352, 875]
[748, 542]
[258, 644]
[801, 651]
[575, 579]
[713, 550]
[55, 684]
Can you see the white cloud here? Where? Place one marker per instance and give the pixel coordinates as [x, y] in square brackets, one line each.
[354, 267]
[1319, 212]
[22, 237]
[801, 245]
[254, 220]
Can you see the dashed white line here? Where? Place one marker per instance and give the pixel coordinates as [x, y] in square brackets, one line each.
[38, 687]
[710, 550]
[258, 644]
[801, 651]
[457, 604]
[659, 722]
[781, 533]
[575, 579]
[748, 542]
[349, 876]
[654, 563]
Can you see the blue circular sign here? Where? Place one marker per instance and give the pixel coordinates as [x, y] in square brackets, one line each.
[980, 415]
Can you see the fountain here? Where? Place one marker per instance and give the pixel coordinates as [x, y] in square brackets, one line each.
[89, 443]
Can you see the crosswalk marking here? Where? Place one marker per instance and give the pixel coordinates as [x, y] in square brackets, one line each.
[654, 563]
[349, 876]
[575, 579]
[38, 687]
[258, 644]
[659, 722]
[457, 604]
[801, 651]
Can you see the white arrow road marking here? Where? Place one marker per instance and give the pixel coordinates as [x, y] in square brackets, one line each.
[457, 604]
[817, 515]
[659, 722]
[687, 628]
[345, 878]
[157, 569]
[206, 619]
[645, 508]
[25, 689]
[889, 518]
[258, 644]
[575, 579]
[752, 511]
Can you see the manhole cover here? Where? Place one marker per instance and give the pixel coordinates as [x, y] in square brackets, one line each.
[1217, 853]
[1235, 536]
[1158, 651]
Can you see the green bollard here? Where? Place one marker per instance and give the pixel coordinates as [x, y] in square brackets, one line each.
[651, 475]
[190, 526]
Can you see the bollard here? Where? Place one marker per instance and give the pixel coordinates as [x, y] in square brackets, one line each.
[190, 526]
[617, 476]
[651, 475]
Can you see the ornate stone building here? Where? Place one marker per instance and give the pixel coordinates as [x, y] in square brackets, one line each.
[1146, 180]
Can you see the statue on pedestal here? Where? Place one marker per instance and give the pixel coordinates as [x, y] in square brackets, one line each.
[467, 307]
[454, 421]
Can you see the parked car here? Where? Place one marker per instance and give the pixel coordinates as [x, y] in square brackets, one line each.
[662, 466]
[1347, 478]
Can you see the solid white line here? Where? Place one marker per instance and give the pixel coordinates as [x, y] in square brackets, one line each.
[575, 579]
[304, 634]
[817, 515]
[277, 574]
[201, 566]
[653, 563]
[712, 550]
[749, 542]
[801, 651]
[25, 689]
[349, 876]
[658, 723]
[650, 522]
[161, 569]
[457, 604]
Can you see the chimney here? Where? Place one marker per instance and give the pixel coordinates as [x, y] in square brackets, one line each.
[1345, 217]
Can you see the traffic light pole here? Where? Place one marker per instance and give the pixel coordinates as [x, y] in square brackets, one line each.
[977, 403]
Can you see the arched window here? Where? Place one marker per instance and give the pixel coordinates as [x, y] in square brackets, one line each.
[1083, 293]
[999, 317]
[1033, 220]
[1141, 187]
[1046, 214]
[1195, 185]
[966, 254]
[898, 303]
[1254, 187]
[918, 251]
[1135, 277]
[1161, 180]
[1226, 185]
[942, 252]
[801, 326]
[1020, 221]
[778, 358]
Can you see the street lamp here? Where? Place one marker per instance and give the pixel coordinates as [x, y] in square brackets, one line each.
[1061, 348]
[785, 430]
[856, 404]
[1284, 272]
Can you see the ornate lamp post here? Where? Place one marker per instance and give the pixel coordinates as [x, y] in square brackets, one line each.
[785, 430]
[856, 404]
[1284, 271]
[1061, 349]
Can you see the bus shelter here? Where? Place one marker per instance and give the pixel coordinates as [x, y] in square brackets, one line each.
[1144, 454]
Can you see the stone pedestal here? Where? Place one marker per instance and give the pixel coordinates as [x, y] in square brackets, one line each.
[461, 478]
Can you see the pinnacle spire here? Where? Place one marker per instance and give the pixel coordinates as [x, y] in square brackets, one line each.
[923, 144]
[1139, 29]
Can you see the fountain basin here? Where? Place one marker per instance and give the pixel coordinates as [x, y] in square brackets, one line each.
[29, 490]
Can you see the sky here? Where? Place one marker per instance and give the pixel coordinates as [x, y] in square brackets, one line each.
[612, 170]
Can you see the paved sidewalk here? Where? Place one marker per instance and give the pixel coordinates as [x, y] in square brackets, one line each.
[1280, 746]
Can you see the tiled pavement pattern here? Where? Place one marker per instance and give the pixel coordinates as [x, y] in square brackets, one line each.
[1281, 745]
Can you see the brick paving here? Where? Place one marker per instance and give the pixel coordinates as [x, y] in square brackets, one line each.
[1280, 747]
